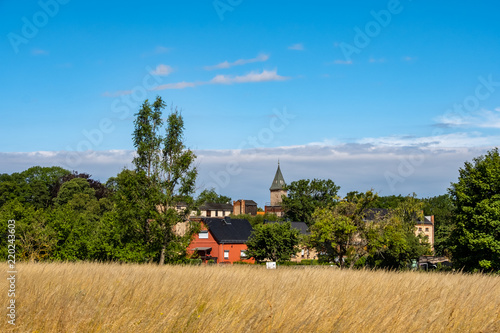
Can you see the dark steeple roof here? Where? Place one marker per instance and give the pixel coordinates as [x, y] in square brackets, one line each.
[278, 181]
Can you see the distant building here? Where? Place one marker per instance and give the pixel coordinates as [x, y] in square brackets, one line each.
[426, 228]
[221, 240]
[210, 209]
[277, 190]
[244, 207]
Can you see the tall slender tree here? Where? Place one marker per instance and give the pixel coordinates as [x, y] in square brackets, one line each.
[171, 175]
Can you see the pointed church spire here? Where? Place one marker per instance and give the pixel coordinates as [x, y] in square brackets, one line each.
[278, 181]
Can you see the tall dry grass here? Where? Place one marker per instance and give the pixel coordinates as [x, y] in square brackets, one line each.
[86, 297]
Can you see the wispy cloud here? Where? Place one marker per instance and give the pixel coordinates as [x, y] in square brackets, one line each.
[409, 59]
[263, 76]
[239, 62]
[162, 70]
[478, 119]
[161, 50]
[452, 140]
[373, 60]
[250, 77]
[157, 50]
[65, 65]
[297, 47]
[178, 85]
[354, 167]
[342, 62]
[39, 52]
[116, 93]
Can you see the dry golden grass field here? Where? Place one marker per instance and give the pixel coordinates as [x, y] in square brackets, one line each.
[88, 297]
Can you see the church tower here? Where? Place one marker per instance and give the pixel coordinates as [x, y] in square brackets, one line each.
[277, 188]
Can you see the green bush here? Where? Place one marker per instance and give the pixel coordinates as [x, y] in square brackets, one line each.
[308, 262]
[195, 262]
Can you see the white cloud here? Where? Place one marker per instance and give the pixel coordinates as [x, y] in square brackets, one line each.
[178, 85]
[250, 77]
[157, 50]
[162, 70]
[297, 47]
[161, 50]
[38, 52]
[228, 79]
[342, 62]
[408, 58]
[116, 93]
[239, 62]
[443, 141]
[478, 119]
[425, 171]
[373, 60]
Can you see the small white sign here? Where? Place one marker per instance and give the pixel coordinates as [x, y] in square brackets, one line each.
[271, 265]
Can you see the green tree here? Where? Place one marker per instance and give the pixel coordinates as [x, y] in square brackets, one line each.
[339, 232]
[170, 174]
[35, 239]
[36, 186]
[209, 195]
[333, 234]
[304, 196]
[389, 201]
[273, 241]
[475, 238]
[257, 219]
[131, 224]
[75, 186]
[392, 245]
[392, 241]
[442, 208]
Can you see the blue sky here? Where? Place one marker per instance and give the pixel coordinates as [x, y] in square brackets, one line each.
[342, 85]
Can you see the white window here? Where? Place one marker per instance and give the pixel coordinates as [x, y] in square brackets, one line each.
[226, 254]
[203, 234]
[243, 253]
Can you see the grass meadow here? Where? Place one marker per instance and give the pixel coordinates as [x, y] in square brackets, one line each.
[91, 297]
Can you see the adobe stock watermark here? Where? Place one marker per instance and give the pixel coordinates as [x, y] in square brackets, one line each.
[122, 105]
[484, 89]
[223, 6]
[11, 271]
[31, 26]
[373, 28]
[277, 124]
[408, 164]
[406, 168]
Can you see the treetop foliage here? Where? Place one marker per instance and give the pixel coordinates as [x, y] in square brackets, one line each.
[475, 237]
[305, 195]
[273, 241]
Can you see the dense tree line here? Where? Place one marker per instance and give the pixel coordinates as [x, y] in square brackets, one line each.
[467, 221]
[63, 215]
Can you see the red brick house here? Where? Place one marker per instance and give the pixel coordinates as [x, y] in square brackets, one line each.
[221, 240]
